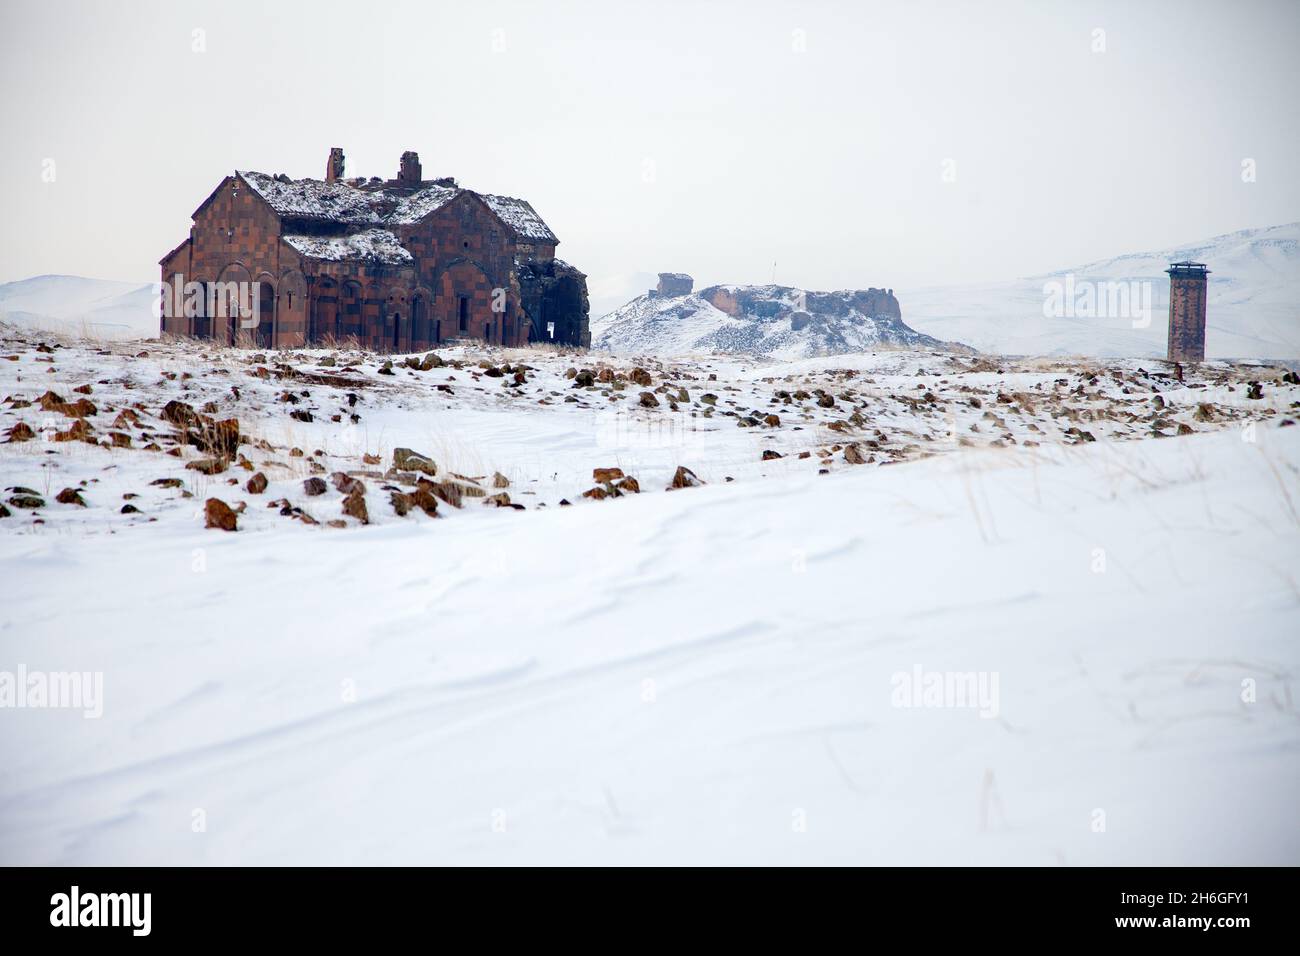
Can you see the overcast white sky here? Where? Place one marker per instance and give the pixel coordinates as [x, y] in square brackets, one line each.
[716, 139]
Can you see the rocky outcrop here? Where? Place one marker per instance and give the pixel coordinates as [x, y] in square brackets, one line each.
[674, 283]
[772, 320]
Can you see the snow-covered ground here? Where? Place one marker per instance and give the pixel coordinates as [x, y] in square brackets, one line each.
[710, 674]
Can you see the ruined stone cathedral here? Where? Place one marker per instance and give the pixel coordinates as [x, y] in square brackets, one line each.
[395, 265]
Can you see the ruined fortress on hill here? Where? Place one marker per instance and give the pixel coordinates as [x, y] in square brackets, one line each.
[395, 265]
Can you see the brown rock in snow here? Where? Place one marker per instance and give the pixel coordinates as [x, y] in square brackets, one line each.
[70, 496]
[354, 506]
[208, 466]
[20, 431]
[684, 478]
[346, 484]
[218, 514]
[404, 459]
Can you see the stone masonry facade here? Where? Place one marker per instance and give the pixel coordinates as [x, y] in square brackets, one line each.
[397, 265]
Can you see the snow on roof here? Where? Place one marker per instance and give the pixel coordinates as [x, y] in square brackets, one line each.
[519, 216]
[378, 245]
[411, 209]
[345, 203]
[314, 199]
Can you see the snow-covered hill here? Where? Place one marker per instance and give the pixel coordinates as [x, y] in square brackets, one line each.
[771, 320]
[1253, 309]
[104, 308]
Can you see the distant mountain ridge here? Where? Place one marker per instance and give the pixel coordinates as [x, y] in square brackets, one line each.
[1253, 303]
[76, 304]
[771, 320]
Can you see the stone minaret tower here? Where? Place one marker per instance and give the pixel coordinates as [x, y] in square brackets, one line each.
[334, 168]
[1187, 282]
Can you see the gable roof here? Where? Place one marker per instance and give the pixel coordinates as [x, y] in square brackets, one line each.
[519, 216]
[343, 203]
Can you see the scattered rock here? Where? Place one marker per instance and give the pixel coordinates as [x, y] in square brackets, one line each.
[314, 486]
[499, 480]
[179, 414]
[346, 484]
[354, 506]
[167, 482]
[20, 431]
[129, 509]
[605, 475]
[218, 514]
[80, 431]
[640, 376]
[70, 496]
[27, 501]
[257, 484]
[770, 455]
[684, 478]
[421, 498]
[648, 400]
[404, 459]
[853, 455]
[208, 466]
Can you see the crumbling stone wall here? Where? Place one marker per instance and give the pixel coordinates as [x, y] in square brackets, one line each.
[554, 295]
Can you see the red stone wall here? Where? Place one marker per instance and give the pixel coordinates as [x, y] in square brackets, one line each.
[462, 252]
